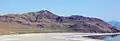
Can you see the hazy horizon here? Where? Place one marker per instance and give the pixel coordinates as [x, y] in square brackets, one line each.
[106, 10]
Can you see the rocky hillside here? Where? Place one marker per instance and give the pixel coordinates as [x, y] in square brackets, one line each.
[46, 21]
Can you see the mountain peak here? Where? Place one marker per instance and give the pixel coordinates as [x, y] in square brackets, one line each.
[44, 12]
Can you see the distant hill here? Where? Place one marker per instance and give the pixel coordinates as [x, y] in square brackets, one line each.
[46, 21]
[115, 23]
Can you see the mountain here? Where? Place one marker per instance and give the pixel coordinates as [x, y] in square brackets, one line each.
[46, 21]
[115, 23]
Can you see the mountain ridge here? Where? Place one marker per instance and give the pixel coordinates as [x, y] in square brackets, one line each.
[46, 21]
[115, 23]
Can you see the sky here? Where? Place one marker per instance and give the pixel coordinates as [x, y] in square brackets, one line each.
[106, 10]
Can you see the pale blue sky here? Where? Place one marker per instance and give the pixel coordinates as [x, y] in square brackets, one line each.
[103, 9]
